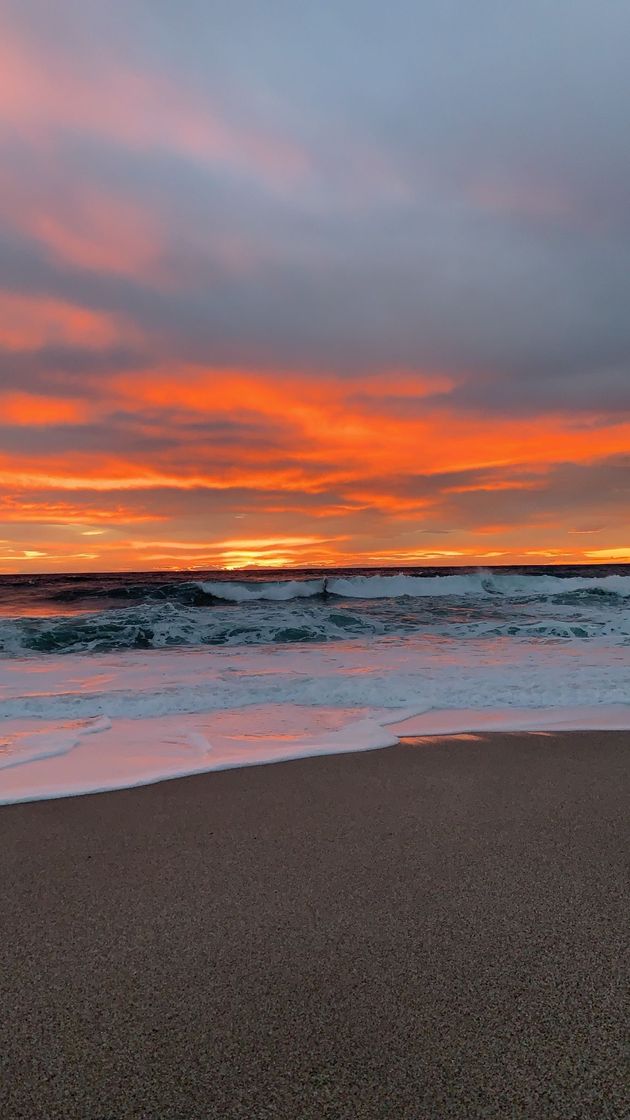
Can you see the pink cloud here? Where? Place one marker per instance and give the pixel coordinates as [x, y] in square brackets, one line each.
[43, 93]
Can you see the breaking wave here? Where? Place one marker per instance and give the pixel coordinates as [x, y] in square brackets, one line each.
[483, 583]
[199, 593]
[309, 619]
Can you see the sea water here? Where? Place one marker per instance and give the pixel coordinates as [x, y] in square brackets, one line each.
[109, 681]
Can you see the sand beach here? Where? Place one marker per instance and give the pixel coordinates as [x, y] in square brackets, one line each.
[438, 929]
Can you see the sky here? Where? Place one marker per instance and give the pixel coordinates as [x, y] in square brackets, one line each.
[287, 283]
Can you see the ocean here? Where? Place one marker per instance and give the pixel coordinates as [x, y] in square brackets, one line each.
[114, 680]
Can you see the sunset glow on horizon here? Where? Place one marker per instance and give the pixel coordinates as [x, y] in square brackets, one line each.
[257, 311]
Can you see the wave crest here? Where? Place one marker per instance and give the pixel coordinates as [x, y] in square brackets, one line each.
[473, 584]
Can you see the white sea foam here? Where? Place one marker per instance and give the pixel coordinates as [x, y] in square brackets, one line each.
[22, 744]
[280, 591]
[138, 752]
[75, 724]
[479, 583]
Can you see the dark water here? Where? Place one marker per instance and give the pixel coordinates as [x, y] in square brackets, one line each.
[156, 610]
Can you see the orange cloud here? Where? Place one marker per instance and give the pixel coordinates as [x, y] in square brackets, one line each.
[258, 544]
[23, 509]
[242, 553]
[294, 452]
[25, 409]
[320, 436]
[326, 420]
[622, 555]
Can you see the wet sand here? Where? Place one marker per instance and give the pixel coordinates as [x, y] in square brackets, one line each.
[435, 930]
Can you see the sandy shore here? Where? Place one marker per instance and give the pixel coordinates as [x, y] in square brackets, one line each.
[435, 930]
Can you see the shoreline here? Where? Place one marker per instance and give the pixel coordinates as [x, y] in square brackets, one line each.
[437, 929]
[133, 753]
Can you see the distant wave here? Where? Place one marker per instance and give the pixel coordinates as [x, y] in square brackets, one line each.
[280, 591]
[472, 585]
[481, 583]
[189, 593]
